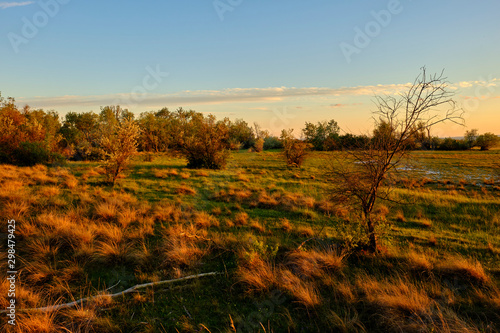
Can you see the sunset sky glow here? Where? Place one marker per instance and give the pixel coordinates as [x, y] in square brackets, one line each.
[279, 63]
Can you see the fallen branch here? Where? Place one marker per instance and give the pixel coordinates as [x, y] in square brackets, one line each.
[121, 293]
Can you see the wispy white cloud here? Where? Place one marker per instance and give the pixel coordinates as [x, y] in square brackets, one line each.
[5, 5]
[233, 95]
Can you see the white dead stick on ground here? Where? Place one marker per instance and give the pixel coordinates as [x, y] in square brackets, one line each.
[127, 291]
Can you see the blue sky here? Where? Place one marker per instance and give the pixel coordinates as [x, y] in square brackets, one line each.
[278, 62]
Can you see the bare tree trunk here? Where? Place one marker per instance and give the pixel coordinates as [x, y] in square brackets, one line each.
[372, 235]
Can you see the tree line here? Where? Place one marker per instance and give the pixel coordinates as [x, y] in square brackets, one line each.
[30, 136]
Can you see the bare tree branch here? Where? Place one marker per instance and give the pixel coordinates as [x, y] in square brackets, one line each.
[363, 175]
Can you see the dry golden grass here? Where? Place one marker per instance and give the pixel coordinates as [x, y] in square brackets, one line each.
[241, 194]
[400, 216]
[419, 262]
[28, 228]
[40, 273]
[160, 173]
[257, 226]
[382, 211]
[106, 210]
[491, 297]
[308, 264]
[167, 212]
[73, 271]
[108, 232]
[144, 229]
[305, 292]
[185, 189]
[346, 291]
[395, 296]
[266, 200]
[242, 178]
[241, 219]
[185, 175]
[172, 172]
[228, 223]
[50, 191]
[42, 249]
[341, 212]
[189, 233]
[126, 216]
[233, 194]
[62, 229]
[492, 249]
[121, 198]
[80, 319]
[424, 222]
[285, 225]
[139, 299]
[305, 231]
[181, 251]
[37, 322]
[306, 213]
[217, 211]
[13, 190]
[295, 200]
[112, 252]
[325, 206]
[68, 179]
[205, 220]
[141, 254]
[27, 298]
[202, 173]
[94, 172]
[256, 274]
[307, 202]
[16, 209]
[42, 178]
[462, 267]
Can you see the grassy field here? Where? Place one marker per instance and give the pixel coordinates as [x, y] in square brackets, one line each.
[286, 258]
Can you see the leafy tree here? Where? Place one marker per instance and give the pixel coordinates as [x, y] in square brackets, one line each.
[470, 138]
[80, 132]
[272, 142]
[487, 141]
[451, 144]
[384, 135]
[27, 131]
[323, 136]
[240, 132]
[156, 130]
[204, 141]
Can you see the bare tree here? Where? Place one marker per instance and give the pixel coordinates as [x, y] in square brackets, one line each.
[362, 176]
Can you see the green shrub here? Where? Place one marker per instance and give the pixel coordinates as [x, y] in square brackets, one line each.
[205, 141]
[272, 142]
[31, 153]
